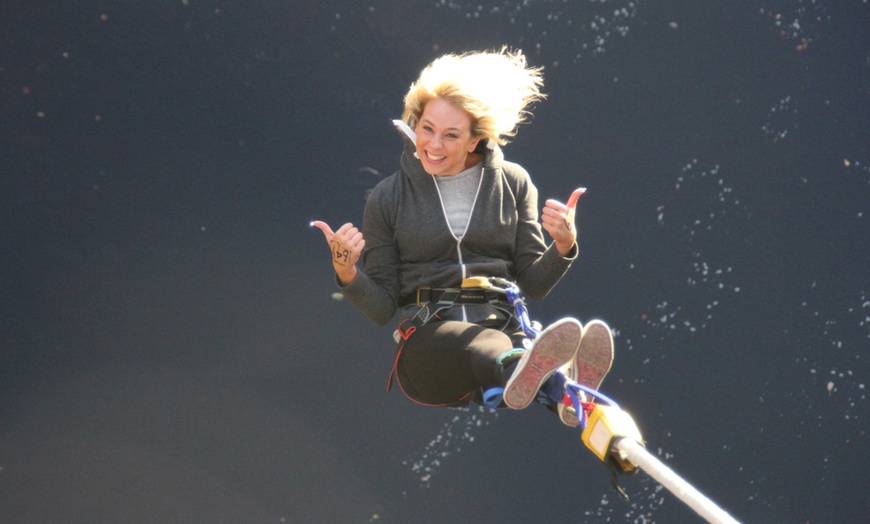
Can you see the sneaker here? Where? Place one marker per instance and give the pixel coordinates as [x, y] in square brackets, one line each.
[589, 366]
[555, 346]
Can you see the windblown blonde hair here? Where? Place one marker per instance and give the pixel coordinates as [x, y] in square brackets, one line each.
[495, 87]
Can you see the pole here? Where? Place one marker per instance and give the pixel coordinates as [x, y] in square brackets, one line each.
[639, 456]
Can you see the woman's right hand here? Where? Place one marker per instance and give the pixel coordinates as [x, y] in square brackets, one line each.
[346, 244]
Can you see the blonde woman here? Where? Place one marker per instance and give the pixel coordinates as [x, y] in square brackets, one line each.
[457, 209]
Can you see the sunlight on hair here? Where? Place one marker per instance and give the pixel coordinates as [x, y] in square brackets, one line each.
[495, 88]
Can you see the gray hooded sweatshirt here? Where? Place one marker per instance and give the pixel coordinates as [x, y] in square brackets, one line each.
[409, 243]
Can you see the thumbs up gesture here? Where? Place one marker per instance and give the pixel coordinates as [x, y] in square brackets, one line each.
[346, 245]
[557, 219]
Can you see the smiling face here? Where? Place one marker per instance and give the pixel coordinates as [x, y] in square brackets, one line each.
[444, 138]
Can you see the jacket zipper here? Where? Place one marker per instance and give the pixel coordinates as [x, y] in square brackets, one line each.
[467, 223]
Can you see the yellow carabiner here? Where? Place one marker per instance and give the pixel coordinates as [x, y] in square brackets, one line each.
[476, 282]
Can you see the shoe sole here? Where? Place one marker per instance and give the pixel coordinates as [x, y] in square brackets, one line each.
[594, 356]
[554, 346]
[591, 364]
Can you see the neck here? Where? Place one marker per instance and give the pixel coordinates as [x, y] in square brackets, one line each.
[472, 159]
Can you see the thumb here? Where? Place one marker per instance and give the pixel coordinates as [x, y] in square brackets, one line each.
[323, 226]
[572, 201]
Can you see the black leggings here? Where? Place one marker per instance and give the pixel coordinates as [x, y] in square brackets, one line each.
[450, 363]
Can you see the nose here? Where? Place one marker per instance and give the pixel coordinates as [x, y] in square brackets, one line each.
[435, 141]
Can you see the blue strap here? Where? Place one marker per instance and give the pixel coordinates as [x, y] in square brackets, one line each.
[513, 294]
[492, 397]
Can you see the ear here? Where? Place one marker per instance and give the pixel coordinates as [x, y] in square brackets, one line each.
[473, 145]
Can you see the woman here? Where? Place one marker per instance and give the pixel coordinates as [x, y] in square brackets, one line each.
[458, 209]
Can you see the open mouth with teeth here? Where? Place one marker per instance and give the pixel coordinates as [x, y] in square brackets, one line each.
[435, 158]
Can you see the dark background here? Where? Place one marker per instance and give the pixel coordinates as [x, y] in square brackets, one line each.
[170, 349]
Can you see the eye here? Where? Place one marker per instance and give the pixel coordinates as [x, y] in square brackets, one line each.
[452, 136]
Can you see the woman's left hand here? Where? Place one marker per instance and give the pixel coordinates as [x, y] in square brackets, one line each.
[558, 220]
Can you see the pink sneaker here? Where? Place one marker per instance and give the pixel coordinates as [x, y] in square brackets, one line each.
[590, 365]
[555, 346]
